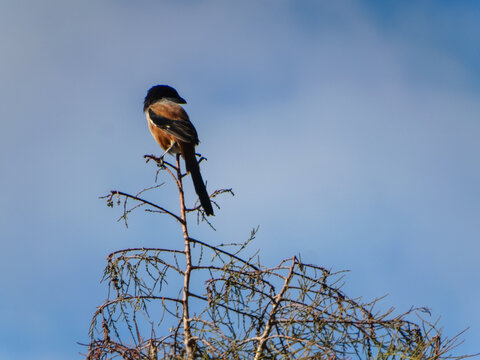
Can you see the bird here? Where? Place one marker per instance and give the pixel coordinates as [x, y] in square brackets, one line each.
[171, 128]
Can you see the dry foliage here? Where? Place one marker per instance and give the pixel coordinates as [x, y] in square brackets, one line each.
[208, 302]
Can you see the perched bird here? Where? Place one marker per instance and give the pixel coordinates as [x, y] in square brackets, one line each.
[171, 128]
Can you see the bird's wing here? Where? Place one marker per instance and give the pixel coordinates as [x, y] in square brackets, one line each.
[173, 123]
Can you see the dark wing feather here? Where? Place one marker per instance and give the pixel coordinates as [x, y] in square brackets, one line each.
[182, 129]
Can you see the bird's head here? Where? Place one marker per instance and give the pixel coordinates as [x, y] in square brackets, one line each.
[160, 92]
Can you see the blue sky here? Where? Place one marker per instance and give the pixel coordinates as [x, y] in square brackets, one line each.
[348, 130]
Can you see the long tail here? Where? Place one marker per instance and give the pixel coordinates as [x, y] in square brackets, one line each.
[192, 166]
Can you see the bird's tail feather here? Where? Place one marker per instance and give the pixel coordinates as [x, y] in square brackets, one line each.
[192, 166]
